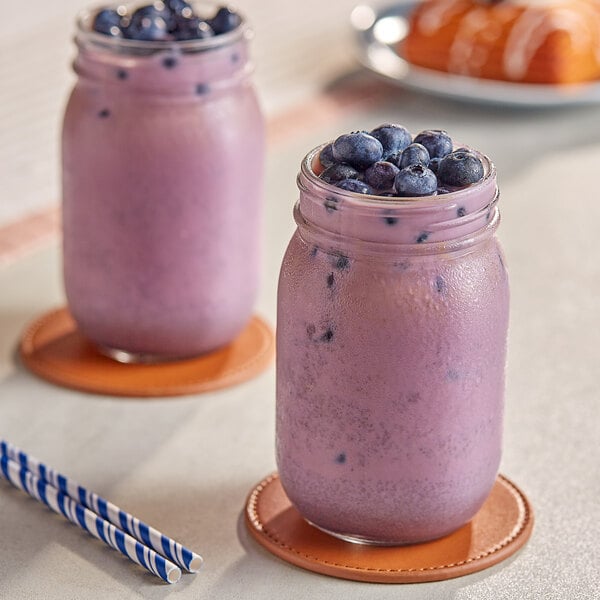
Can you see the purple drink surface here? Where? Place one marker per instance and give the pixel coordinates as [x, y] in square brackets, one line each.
[390, 363]
[162, 182]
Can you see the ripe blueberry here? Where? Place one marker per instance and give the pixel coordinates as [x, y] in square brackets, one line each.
[148, 23]
[357, 149]
[460, 169]
[179, 7]
[415, 180]
[193, 28]
[437, 142]
[434, 163]
[354, 185]
[326, 156]
[415, 154]
[225, 20]
[381, 175]
[393, 138]
[108, 22]
[337, 172]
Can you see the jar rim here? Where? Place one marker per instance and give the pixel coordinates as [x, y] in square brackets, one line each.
[84, 32]
[381, 202]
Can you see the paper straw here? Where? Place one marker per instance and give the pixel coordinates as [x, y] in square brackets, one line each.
[174, 551]
[84, 518]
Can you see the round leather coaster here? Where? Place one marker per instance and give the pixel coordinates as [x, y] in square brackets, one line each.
[53, 348]
[499, 529]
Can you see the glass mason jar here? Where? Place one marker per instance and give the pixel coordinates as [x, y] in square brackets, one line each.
[163, 149]
[391, 346]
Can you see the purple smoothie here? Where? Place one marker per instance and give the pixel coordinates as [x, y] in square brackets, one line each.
[391, 346]
[163, 148]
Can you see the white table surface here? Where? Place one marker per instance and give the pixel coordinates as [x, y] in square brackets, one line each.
[186, 464]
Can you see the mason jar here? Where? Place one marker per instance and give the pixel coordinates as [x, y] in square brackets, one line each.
[162, 168]
[391, 346]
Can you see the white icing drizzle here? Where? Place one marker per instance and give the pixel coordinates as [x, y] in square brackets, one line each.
[526, 36]
[534, 3]
[593, 20]
[462, 57]
[580, 19]
[532, 28]
[435, 14]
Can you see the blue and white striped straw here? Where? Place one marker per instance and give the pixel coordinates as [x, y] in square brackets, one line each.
[23, 479]
[174, 551]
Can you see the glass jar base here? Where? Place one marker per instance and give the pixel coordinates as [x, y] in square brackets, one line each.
[126, 357]
[358, 539]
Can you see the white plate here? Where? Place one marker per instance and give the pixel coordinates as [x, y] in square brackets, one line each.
[378, 29]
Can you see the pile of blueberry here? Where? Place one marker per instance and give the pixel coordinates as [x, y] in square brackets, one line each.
[168, 20]
[387, 161]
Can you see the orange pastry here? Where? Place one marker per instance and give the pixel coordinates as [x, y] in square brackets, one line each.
[535, 41]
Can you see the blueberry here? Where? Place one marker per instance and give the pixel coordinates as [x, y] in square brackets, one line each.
[453, 375]
[148, 23]
[354, 185]
[225, 20]
[437, 142]
[336, 173]
[182, 19]
[461, 211]
[393, 138]
[193, 29]
[108, 22]
[169, 62]
[381, 175]
[357, 149]
[416, 180]
[415, 154]
[172, 11]
[460, 169]
[326, 156]
[340, 458]
[179, 7]
[342, 262]
[434, 163]
[395, 158]
[327, 336]
[331, 203]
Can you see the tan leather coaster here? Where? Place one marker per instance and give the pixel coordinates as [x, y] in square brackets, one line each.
[53, 348]
[499, 529]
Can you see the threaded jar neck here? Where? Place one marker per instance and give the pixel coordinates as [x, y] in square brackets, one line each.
[431, 225]
[187, 67]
